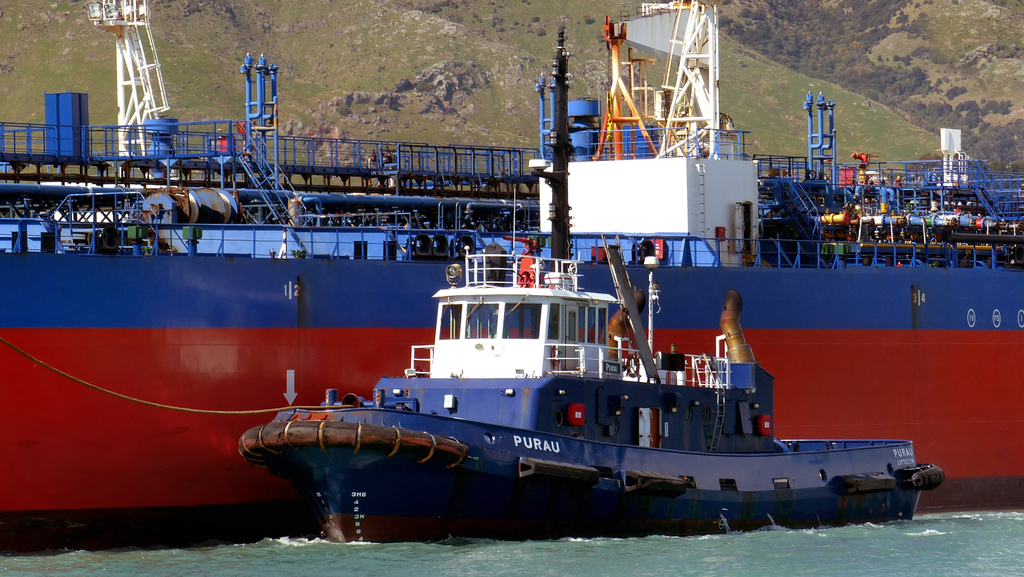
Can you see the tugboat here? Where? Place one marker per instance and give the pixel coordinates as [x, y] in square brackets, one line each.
[535, 415]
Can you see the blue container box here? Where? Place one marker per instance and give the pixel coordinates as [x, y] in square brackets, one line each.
[67, 117]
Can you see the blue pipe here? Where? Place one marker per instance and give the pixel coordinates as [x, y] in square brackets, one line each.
[539, 88]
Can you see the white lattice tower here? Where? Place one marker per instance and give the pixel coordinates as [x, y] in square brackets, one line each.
[693, 118]
[140, 83]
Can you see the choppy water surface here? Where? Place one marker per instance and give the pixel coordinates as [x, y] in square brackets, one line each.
[947, 544]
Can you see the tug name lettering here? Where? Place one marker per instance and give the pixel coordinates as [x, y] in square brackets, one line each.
[904, 456]
[536, 444]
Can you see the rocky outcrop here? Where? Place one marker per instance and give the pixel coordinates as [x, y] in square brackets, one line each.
[987, 52]
[321, 129]
[446, 78]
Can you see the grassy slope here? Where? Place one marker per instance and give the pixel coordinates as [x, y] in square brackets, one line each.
[328, 49]
[955, 29]
[767, 100]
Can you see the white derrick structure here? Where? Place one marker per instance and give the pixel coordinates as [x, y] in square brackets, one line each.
[693, 118]
[140, 83]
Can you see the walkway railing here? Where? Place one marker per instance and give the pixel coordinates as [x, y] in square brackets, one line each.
[215, 141]
[77, 226]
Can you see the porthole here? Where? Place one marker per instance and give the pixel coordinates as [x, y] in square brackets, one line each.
[689, 413]
[822, 474]
[706, 414]
[558, 418]
[889, 468]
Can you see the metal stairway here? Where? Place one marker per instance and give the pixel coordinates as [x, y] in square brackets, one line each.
[792, 199]
[269, 180]
[1000, 194]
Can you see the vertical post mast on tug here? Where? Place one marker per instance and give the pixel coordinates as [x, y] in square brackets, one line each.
[561, 146]
[140, 82]
[651, 263]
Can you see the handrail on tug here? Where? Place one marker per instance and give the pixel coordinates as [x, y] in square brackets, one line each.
[520, 271]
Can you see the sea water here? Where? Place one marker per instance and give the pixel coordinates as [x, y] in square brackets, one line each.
[952, 544]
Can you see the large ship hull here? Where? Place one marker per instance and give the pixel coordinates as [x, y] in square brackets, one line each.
[864, 352]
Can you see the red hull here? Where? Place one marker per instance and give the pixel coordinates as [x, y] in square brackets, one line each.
[70, 448]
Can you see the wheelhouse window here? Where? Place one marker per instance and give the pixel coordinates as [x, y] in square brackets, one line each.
[451, 322]
[522, 321]
[570, 324]
[602, 325]
[553, 311]
[482, 322]
[588, 329]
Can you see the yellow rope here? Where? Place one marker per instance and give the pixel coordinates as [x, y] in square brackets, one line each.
[151, 403]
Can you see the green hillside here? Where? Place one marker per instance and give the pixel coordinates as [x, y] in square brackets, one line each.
[937, 63]
[767, 100]
[444, 71]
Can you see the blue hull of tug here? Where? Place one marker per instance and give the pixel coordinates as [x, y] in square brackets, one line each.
[367, 496]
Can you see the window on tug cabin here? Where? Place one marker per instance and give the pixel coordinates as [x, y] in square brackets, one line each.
[553, 326]
[588, 325]
[522, 321]
[451, 321]
[482, 321]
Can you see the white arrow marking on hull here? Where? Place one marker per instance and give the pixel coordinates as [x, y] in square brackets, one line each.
[290, 393]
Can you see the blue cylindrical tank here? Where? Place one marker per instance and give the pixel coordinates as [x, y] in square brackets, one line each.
[584, 125]
[584, 107]
[160, 135]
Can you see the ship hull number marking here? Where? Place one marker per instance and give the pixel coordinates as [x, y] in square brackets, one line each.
[356, 495]
[917, 297]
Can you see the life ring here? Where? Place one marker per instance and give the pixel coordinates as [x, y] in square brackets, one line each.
[526, 277]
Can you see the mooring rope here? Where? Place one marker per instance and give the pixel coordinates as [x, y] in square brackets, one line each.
[75, 379]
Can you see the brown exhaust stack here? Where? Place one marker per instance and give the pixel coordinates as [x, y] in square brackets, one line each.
[618, 324]
[739, 350]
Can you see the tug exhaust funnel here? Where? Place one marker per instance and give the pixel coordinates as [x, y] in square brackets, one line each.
[739, 350]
